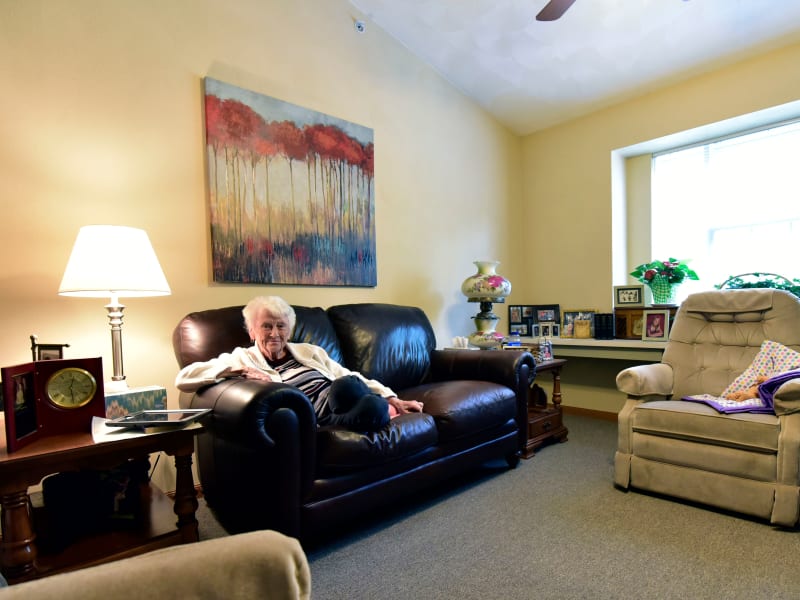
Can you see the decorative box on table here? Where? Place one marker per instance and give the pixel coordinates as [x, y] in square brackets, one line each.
[133, 400]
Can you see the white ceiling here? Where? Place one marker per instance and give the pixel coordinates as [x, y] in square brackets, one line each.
[533, 74]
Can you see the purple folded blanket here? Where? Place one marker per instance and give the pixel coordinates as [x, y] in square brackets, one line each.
[762, 404]
[767, 389]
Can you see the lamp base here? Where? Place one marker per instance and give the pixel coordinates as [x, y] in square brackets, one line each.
[486, 340]
[485, 337]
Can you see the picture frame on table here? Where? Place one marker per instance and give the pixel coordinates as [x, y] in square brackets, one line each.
[628, 295]
[546, 313]
[655, 326]
[46, 351]
[628, 323]
[50, 351]
[19, 405]
[521, 315]
[521, 328]
[578, 323]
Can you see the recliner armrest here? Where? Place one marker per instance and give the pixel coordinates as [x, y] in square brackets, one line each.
[787, 398]
[646, 380]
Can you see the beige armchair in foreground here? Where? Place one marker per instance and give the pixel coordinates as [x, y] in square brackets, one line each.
[261, 564]
[743, 462]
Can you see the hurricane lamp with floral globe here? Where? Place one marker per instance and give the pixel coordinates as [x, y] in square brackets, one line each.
[486, 287]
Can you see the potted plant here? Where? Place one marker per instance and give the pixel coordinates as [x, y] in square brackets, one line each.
[761, 280]
[663, 278]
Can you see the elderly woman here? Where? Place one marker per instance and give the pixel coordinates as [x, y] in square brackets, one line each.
[340, 396]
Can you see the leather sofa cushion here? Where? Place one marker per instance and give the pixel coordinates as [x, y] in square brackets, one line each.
[206, 334]
[390, 343]
[464, 407]
[691, 421]
[343, 450]
[314, 327]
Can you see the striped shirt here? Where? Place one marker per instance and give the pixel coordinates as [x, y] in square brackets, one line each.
[309, 381]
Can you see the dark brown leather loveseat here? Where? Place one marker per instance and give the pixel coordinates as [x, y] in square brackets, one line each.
[263, 461]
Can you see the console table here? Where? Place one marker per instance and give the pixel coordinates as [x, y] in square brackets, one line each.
[545, 421]
[20, 559]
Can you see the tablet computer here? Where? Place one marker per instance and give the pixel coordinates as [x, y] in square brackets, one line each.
[159, 418]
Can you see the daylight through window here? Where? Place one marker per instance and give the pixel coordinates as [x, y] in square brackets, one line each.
[731, 205]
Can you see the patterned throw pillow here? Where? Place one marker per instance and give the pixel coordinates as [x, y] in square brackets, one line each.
[772, 358]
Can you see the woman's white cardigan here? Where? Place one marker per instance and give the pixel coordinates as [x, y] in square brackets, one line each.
[198, 374]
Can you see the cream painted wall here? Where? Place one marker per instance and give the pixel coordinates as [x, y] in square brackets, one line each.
[102, 123]
[567, 190]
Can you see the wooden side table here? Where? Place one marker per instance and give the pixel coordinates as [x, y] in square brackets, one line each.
[545, 422]
[20, 559]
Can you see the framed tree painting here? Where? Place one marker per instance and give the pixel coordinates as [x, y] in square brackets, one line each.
[290, 191]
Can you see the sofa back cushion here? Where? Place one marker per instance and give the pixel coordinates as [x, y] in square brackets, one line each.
[203, 335]
[386, 342]
[717, 334]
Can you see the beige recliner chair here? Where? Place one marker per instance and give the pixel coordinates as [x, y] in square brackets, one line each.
[743, 462]
[259, 564]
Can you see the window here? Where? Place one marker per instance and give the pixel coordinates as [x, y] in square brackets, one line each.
[730, 205]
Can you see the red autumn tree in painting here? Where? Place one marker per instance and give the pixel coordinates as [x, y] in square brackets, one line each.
[291, 200]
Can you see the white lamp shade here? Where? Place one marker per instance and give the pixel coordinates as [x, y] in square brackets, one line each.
[109, 260]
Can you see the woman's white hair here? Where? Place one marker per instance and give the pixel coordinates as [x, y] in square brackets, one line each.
[274, 305]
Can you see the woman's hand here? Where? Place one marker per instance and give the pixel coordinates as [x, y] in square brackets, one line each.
[405, 406]
[247, 373]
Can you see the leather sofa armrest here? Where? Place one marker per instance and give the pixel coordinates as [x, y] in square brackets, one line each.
[646, 380]
[498, 366]
[244, 411]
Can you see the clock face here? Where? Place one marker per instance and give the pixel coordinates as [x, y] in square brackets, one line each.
[71, 387]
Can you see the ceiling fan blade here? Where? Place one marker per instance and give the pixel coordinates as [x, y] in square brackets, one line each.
[554, 9]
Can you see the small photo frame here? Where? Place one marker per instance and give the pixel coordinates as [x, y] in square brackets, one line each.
[521, 328]
[520, 318]
[578, 324]
[46, 351]
[545, 329]
[535, 332]
[628, 323]
[19, 404]
[546, 313]
[628, 295]
[655, 326]
[50, 351]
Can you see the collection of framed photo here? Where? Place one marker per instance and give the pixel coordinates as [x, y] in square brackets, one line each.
[631, 319]
[542, 320]
[634, 321]
[547, 320]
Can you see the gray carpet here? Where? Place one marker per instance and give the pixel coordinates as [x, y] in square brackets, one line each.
[555, 527]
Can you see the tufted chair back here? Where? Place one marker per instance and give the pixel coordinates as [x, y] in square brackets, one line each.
[717, 334]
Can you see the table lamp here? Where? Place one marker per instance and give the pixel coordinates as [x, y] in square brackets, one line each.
[486, 287]
[110, 261]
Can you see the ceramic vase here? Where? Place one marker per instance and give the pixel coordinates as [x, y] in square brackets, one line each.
[664, 292]
[486, 284]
